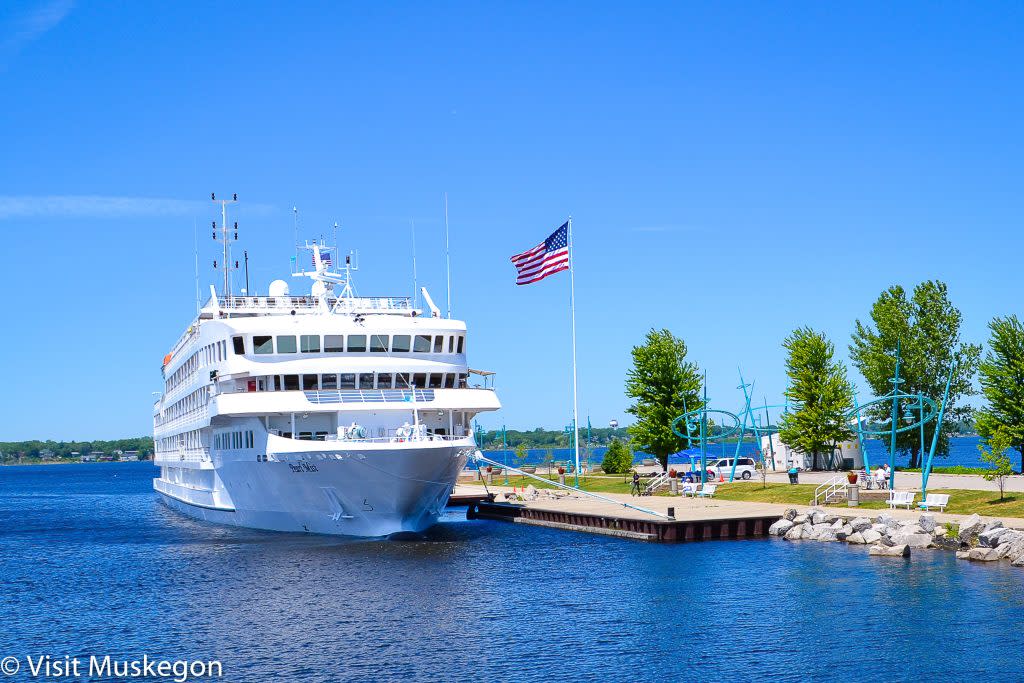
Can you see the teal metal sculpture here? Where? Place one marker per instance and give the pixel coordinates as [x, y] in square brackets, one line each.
[695, 423]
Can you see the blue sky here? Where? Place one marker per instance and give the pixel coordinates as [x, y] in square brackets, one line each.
[734, 170]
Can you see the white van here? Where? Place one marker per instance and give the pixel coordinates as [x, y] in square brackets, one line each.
[745, 468]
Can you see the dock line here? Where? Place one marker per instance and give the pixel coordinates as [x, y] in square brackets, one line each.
[480, 457]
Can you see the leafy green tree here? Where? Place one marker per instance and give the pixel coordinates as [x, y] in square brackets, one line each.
[993, 451]
[521, 453]
[819, 395]
[927, 327]
[660, 381]
[617, 459]
[1002, 383]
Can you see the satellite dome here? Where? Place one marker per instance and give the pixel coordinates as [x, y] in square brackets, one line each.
[318, 289]
[278, 288]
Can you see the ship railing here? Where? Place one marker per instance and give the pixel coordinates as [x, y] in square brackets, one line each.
[369, 396]
[289, 303]
[415, 438]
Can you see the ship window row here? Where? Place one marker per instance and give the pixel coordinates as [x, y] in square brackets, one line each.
[185, 405]
[353, 343]
[209, 354]
[225, 440]
[360, 380]
[192, 440]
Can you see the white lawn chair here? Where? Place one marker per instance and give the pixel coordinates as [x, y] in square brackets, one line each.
[904, 498]
[934, 500]
[707, 491]
[689, 489]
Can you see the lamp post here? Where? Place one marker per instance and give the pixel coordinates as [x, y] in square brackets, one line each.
[504, 452]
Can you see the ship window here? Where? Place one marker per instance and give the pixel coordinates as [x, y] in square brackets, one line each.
[305, 436]
[328, 381]
[379, 343]
[291, 382]
[277, 382]
[422, 343]
[438, 344]
[334, 343]
[262, 344]
[357, 343]
[400, 343]
[436, 380]
[309, 382]
[451, 344]
[461, 340]
[310, 343]
[463, 380]
[419, 380]
[239, 344]
[384, 380]
[286, 343]
[348, 381]
[366, 380]
[402, 380]
[449, 381]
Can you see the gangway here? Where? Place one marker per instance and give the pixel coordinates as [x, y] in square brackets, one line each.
[479, 457]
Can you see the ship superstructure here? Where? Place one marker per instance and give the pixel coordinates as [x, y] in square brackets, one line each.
[323, 412]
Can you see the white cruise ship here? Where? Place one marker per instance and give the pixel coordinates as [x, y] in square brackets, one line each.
[323, 412]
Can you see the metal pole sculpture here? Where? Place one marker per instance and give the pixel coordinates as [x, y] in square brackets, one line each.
[694, 423]
[895, 415]
[927, 469]
[743, 429]
[504, 452]
[860, 438]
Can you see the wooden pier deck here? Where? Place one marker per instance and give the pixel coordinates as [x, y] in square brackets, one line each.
[694, 520]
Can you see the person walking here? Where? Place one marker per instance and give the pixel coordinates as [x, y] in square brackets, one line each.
[635, 491]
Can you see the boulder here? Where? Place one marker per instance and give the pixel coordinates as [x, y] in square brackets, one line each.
[831, 518]
[963, 554]
[855, 537]
[1017, 561]
[1011, 536]
[794, 533]
[817, 517]
[927, 522]
[990, 538]
[890, 550]
[838, 524]
[910, 529]
[871, 536]
[887, 520]
[993, 524]
[827, 534]
[860, 523]
[1014, 550]
[817, 530]
[939, 532]
[531, 492]
[945, 542]
[983, 554]
[1003, 551]
[880, 528]
[970, 528]
[799, 519]
[843, 533]
[914, 540]
[780, 527]
[789, 515]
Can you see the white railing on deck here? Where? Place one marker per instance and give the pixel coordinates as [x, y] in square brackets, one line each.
[286, 304]
[833, 487]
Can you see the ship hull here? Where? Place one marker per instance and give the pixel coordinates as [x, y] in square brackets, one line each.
[369, 493]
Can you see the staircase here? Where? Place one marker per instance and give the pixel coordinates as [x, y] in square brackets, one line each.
[656, 484]
[831, 490]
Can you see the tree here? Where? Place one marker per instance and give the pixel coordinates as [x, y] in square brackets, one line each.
[927, 328]
[993, 451]
[819, 395]
[521, 453]
[617, 459]
[1002, 383]
[661, 382]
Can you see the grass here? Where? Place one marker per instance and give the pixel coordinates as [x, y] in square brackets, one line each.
[949, 469]
[961, 501]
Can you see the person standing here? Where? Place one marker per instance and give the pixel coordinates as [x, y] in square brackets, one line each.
[635, 491]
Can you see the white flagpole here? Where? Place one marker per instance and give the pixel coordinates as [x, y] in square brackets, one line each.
[572, 309]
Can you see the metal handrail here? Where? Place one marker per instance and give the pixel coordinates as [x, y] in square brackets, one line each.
[831, 486]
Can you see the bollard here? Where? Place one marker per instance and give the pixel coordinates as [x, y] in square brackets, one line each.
[490, 478]
[674, 486]
[561, 478]
[672, 511]
[853, 495]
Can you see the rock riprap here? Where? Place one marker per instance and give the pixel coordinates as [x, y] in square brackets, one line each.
[976, 538]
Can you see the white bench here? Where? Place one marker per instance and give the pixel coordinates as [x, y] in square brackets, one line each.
[905, 498]
[934, 500]
[707, 491]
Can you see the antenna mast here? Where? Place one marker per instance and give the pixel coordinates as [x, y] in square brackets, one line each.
[447, 256]
[415, 281]
[225, 239]
[195, 255]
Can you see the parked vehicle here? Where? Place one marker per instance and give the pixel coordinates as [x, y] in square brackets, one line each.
[745, 468]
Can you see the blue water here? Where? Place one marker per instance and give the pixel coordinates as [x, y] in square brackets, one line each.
[962, 451]
[91, 563]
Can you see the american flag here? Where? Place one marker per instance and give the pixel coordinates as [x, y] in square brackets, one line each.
[547, 258]
[325, 259]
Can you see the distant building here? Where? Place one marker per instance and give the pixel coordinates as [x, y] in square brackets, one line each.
[100, 456]
[47, 454]
[129, 456]
[847, 456]
[88, 457]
